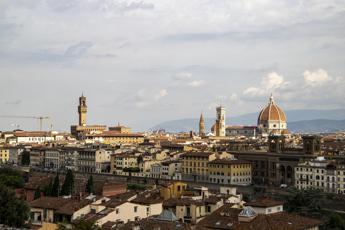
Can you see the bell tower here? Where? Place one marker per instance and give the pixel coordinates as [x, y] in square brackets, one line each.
[82, 110]
[220, 122]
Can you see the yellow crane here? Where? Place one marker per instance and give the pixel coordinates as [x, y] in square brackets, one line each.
[39, 118]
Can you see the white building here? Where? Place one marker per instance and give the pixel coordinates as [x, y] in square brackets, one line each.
[24, 137]
[241, 131]
[320, 173]
[171, 170]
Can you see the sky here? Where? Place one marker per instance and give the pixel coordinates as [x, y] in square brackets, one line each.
[142, 62]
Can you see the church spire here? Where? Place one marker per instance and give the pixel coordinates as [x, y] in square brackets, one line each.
[201, 126]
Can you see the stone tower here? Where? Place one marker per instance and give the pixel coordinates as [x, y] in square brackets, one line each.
[82, 110]
[276, 144]
[201, 126]
[220, 122]
[312, 144]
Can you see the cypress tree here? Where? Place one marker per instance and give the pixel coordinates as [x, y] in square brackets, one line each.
[89, 185]
[47, 190]
[56, 186]
[68, 185]
[37, 193]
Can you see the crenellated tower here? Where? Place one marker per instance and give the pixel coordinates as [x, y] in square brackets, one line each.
[82, 110]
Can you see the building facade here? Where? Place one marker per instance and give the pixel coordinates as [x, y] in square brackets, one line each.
[195, 164]
[241, 131]
[326, 175]
[230, 171]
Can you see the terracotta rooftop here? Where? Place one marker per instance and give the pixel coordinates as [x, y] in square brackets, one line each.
[31, 134]
[119, 199]
[228, 161]
[149, 197]
[151, 223]
[264, 202]
[72, 206]
[226, 217]
[173, 202]
[116, 134]
[49, 202]
[38, 181]
[197, 154]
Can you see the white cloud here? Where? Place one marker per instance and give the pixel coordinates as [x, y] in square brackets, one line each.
[315, 89]
[272, 81]
[196, 83]
[225, 44]
[182, 76]
[269, 83]
[162, 93]
[186, 79]
[316, 78]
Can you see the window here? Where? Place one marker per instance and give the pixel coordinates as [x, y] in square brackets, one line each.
[117, 211]
[269, 210]
[135, 208]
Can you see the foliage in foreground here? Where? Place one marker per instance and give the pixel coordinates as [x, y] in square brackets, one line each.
[11, 178]
[80, 225]
[13, 211]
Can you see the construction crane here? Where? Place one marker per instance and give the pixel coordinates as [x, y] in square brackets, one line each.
[39, 118]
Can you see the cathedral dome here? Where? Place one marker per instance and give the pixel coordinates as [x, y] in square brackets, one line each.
[272, 120]
[271, 113]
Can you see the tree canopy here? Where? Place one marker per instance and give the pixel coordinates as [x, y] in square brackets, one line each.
[13, 211]
[305, 201]
[89, 185]
[68, 185]
[25, 158]
[55, 191]
[11, 178]
[80, 225]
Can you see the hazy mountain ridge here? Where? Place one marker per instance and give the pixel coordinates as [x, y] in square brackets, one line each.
[298, 121]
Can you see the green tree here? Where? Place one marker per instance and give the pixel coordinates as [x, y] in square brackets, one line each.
[136, 187]
[47, 190]
[56, 186]
[13, 211]
[80, 225]
[37, 193]
[25, 158]
[11, 178]
[335, 222]
[68, 185]
[90, 185]
[305, 202]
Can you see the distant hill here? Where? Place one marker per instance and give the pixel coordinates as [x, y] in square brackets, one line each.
[298, 121]
[317, 126]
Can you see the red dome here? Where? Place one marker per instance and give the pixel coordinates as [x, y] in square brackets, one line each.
[271, 113]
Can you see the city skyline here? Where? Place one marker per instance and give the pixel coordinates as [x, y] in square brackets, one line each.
[144, 62]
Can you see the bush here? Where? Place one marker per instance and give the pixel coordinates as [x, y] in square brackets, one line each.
[136, 187]
[13, 211]
[11, 178]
